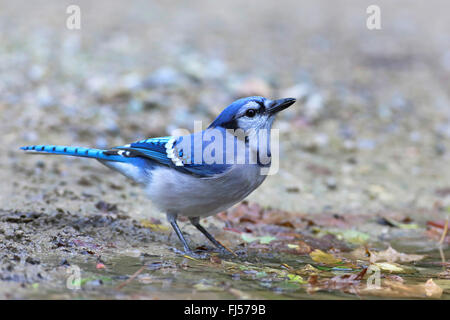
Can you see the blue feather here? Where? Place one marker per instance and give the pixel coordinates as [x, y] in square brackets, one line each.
[155, 149]
[74, 151]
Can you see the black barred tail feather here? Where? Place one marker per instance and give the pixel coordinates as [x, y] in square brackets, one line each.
[76, 151]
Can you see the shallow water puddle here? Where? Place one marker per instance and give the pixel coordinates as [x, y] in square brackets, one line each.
[281, 255]
[281, 277]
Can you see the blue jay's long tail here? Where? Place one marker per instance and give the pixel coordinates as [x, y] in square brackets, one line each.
[76, 152]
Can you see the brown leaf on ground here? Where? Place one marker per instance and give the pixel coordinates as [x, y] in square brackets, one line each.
[348, 283]
[244, 212]
[255, 214]
[279, 217]
[436, 224]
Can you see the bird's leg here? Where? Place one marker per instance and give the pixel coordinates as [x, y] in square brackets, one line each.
[173, 221]
[196, 222]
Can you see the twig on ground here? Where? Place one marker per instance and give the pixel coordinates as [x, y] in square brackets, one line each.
[123, 284]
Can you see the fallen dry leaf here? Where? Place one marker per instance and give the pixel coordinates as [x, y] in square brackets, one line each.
[349, 283]
[244, 212]
[253, 213]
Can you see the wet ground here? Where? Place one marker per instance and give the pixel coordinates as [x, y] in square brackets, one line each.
[363, 157]
[107, 255]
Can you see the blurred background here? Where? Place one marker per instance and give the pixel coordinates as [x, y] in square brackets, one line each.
[370, 133]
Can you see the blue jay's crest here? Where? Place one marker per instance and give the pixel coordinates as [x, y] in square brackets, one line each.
[252, 113]
[227, 118]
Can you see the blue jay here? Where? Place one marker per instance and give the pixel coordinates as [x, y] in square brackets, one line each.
[180, 179]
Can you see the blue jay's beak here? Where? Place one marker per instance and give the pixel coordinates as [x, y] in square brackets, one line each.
[280, 104]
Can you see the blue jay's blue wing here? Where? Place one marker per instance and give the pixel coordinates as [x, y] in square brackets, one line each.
[169, 151]
[153, 148]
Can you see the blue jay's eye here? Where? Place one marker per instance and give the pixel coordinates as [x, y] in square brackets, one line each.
[250, 113]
